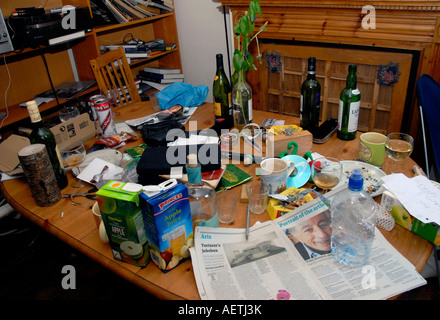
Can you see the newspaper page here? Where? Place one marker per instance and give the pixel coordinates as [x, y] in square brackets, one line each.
[290, 258]
[227, 267]
[386, 274]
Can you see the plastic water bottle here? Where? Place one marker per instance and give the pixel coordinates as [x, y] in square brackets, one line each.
[353, 223]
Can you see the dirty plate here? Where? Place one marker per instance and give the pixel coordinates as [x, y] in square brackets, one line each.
[372, 176]
[109, 155]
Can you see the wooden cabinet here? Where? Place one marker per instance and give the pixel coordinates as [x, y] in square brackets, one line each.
[382, 106]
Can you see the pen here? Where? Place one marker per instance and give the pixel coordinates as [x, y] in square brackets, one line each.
[247, 224]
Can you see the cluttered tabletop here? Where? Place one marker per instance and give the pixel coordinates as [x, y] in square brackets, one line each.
[72, 219]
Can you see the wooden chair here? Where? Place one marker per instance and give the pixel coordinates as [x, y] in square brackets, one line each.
[112, 70]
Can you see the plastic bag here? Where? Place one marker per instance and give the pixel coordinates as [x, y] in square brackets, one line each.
[183, 94]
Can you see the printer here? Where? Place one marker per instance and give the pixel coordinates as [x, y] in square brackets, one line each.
[34, 28]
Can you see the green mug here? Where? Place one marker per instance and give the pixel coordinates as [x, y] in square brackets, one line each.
[372, 148]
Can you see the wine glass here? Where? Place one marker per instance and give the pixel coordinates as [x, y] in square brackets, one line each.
[398, 147]
[68, 113]
[112, 95]
[326, 173]
[72, 157]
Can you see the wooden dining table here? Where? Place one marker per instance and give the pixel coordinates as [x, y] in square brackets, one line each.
[76, 226]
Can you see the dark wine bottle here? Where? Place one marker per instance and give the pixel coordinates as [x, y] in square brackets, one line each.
[221, 89]
[41, 134]
[310, 99]
[349, 104]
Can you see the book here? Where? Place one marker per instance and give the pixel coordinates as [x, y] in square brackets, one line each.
[164, 47]
[158, 80]
[161, 70]
[119, 16]
[161, 76]
[233, 176]
[154, 4]
[137, 55]
[148, 11]
[67, 37]
[128, 10]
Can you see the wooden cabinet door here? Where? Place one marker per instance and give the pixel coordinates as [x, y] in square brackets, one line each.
[382, 106]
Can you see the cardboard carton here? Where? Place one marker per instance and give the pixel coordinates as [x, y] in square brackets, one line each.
[428, 231]
[167, 219]
[122, 217]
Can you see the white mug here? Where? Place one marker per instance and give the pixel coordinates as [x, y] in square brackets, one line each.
[274, 173]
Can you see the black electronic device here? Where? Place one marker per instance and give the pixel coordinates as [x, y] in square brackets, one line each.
[325, 131]
[34, 30]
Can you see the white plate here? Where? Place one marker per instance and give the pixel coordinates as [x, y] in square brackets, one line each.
[372, 175]
[110, 155]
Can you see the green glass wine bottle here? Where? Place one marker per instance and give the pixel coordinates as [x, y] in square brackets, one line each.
[41, 134]
[349, 104]
[310, 99]
[221, 90]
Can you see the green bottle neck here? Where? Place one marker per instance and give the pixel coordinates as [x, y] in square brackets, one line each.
[351, 78]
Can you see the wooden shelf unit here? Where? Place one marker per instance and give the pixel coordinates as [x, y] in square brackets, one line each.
[27, 70]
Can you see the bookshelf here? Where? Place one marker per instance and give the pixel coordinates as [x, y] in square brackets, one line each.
[161, 26]
[28, 74]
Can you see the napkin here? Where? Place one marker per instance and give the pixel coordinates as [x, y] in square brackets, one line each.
[96, 166]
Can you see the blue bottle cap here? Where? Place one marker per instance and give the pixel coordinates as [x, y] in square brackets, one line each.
[356, 181]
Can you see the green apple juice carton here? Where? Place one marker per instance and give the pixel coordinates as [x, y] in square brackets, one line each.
[428, 231]
[122, 217]
[167, 219]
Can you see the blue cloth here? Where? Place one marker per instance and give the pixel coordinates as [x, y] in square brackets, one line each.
[181, 93]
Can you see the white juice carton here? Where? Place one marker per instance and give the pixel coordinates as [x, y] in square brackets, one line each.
[168, 224]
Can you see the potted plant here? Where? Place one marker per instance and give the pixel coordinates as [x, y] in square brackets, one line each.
[243, 62]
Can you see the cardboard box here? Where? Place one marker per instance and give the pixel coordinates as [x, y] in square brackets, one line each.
[122, 217]
[9, 150]
[276, 209]
[428, 231]
[78, 129]
[167, 219]
[276, 144]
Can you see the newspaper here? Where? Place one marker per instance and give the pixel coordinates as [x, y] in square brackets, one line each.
[276, 263]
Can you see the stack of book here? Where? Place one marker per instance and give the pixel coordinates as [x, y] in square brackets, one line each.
[160, 75]
[128, 10]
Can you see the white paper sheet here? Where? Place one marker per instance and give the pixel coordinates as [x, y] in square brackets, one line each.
[96, 166]
[418, 195]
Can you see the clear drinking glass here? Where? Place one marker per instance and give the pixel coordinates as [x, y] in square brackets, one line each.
[326, 172]
[257, 196]
[73, 157]
[112, 95]
[398, 147]
[68, 113]
[226, 206]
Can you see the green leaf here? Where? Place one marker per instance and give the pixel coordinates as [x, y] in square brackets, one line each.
[246, 41]
[252, 10]
[244, 25]
[258, 8]
[250, 61]
[238, 59]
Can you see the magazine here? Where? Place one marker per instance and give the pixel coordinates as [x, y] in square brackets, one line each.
[276, 263]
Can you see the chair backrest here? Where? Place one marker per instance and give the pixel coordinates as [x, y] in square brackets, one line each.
[428, 94]
[112, 70]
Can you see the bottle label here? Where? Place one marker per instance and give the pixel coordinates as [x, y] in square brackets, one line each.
[217, 109]
[250, 110]
[353, 115]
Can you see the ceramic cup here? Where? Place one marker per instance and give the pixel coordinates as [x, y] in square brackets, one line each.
[274, 173]
[372, 148]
